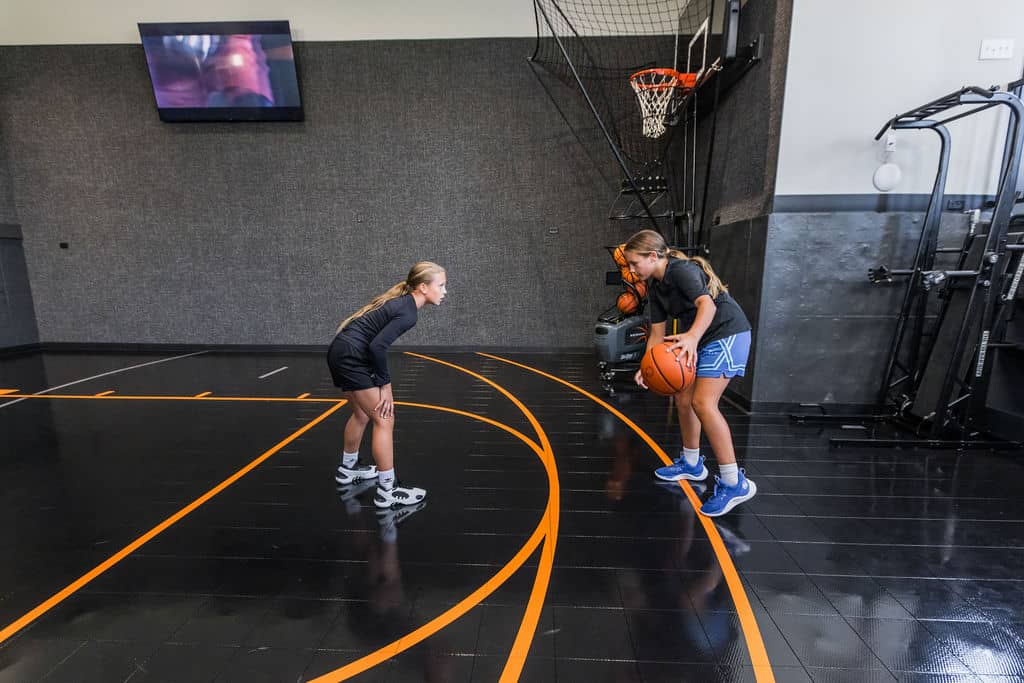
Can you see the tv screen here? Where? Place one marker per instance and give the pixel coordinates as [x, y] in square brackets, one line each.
[223, 71]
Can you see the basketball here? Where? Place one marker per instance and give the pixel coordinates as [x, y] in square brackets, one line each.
[641, 288]
[663, 372]
[620, 256]
[627, 302]
[629, 277]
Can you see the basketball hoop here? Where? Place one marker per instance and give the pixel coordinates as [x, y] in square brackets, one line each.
[654, 89]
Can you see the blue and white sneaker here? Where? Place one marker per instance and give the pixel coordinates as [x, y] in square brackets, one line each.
[680, 470]
[725, 498]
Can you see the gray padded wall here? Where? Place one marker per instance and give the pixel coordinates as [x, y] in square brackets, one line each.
[8, 214]
[824, 330]
[17, 316]
[739, 257]
[271, 233]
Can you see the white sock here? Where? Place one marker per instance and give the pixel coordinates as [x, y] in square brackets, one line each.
[730, 474]
[386, 478]
[691, 455]
[349, 460]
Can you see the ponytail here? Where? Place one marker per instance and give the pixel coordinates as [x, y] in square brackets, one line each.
[648, 241]
[420, 273]
[396, 291]
[715, 284]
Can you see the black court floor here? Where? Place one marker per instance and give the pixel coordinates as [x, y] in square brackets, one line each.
[176, 519]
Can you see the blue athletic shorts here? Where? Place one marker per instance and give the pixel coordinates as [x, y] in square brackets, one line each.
[724, 357]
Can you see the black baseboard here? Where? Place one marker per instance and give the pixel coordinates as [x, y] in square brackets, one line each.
[812, 409]
[1004, 424]
[20, 350]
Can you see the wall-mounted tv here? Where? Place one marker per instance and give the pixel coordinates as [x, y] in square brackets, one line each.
[223, 71]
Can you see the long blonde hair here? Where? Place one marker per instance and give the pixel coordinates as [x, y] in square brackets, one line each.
[647, 241]
[422, 272]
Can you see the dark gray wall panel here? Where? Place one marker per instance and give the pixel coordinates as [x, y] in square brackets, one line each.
[17, 315]
[271, 233]
[8, 215]
[824, 331]
[738, 258]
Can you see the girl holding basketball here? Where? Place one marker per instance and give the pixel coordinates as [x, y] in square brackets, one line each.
[716, 340]
[357, 359]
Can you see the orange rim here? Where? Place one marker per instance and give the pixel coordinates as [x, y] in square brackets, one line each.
[679, 79]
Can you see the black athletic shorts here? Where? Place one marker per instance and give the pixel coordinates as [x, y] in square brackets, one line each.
[349, 368]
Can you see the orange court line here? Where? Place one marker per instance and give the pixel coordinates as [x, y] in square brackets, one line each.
[4, 392]
[546, 530]
[104, 393]
[748, 622]
[439, 622]
[78, 583]
[383, 654]
[531, 617]
[203, 395]
[303, 395]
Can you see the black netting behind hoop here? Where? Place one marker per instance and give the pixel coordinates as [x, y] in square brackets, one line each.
[606, 42]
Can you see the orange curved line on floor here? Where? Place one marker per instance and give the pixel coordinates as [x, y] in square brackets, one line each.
[439, 622]
[78, 583]
[546, 530]
[534, 446]
[748, 622]
[531, 617]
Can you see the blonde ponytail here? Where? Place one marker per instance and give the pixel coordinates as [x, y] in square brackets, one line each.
[648, 241]
[715, 284]
[422, 272]
[394, 292]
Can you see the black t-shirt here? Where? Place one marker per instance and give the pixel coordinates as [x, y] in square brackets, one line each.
[373, 332]
[676, 293]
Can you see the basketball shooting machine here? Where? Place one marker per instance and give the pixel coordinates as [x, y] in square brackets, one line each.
[620, 335]
[672, 60]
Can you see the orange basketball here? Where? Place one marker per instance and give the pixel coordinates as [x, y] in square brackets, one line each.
[627, 302]
[663, 372]
[641, 288]
[620, 256]
[629, 277]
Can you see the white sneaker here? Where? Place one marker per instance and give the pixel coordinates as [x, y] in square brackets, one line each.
[398, 495]
[347, 475]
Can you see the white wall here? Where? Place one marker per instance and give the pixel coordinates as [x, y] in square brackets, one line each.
[55, 22]
[855, 64]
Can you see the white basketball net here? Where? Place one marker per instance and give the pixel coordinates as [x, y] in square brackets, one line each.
[654, 91]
